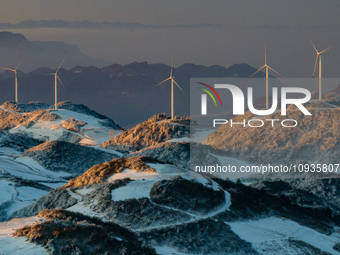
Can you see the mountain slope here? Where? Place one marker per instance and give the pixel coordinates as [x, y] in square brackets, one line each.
[64, 232]
[314, 140]
[31, 167]
[150, 199]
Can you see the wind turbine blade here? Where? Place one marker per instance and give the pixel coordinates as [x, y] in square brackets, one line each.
[257, 71]
[161, 82]
[19, 63]
[313, 45]
[48, 74]
[325, 50]
[61, 63]
[178, 86]
[172, 65]
[316, 61]
[275, 71]
[61, 82]
[265, 52]
[9, 69]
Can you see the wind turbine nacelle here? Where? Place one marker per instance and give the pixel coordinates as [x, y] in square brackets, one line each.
[238, 100]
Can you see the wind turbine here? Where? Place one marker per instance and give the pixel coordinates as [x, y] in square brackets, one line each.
[56, 78]
[15, 78]
[172, 89]
[267, 67]
[318, 56]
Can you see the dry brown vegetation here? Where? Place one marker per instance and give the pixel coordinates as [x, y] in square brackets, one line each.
[155, 130]
[73, 125]
[315, 138]
[99, 173]
[44, 115]
[10, 119]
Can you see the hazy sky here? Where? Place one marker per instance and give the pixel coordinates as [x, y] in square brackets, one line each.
[235, 34]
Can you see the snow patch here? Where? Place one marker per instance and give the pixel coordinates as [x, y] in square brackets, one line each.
[165, 250]
[17, 205]
[81, 208]
[275, 230]
[36, 168]
[7, 228]
[79, 198]
[134, 189]
[7, 191]
[85, 191]
[18, 245]
[133, 175]
[168, 170]
[30, 193]
[53, 185]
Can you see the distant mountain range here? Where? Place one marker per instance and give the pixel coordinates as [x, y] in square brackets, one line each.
[120, 92]
[13, 47]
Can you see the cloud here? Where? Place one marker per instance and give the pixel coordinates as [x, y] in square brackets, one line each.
[31, 24]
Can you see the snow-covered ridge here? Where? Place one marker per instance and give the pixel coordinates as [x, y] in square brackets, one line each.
[92, 133]
[22, 179]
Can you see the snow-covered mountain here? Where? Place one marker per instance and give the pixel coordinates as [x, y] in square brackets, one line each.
[314, 140]
[38, 145]
[73, 182]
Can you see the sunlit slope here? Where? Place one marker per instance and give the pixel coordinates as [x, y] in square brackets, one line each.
[315, 139]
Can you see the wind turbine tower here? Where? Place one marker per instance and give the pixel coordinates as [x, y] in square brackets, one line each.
[56, 78]
[266, 67]
[15, 78]
[318, 57]
[172, 89]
